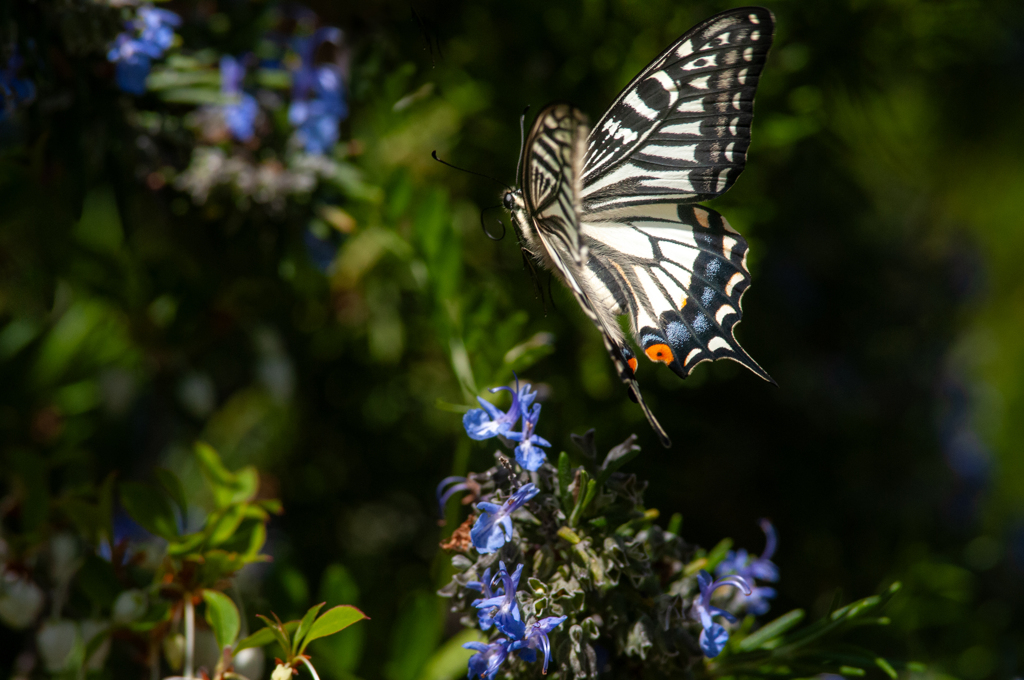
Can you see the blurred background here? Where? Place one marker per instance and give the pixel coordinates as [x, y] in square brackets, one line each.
[332, 337]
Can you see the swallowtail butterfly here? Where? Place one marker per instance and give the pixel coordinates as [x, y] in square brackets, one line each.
[614, 210]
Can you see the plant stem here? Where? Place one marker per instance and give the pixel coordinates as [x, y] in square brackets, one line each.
[190, 634]
[311, 669]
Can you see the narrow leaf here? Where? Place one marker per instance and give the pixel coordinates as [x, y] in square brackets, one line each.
[564, 480]
[279, 633]
[886, 667]
[305, 625]
[771, 630]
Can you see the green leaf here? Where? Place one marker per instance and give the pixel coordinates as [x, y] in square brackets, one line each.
[334, 620]
[771, 630]
[261, 638]
[172, 485]
[585, 498]
[149, 506]
[257, 538]
[228, 487]
[225, 525]
[304, 626]
[222, 615]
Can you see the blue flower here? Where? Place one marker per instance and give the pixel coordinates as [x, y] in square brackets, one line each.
[14, 91]
[529, 455]
[488, 658]
[494, 526]
[536, 637]
[145, 39]
[457, 484]
[714, 635]
[762, 568]
[318, 95]
[240, 116]
[484, 615]
[503, 609]
[490, 421]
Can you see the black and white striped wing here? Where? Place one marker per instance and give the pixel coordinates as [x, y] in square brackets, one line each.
[679, 272]
[553, 158]
[679, 131]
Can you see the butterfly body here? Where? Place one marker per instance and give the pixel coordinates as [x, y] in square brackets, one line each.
[614, 210]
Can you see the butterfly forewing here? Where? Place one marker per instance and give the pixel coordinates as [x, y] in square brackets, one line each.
[551, 175]
[554, 159]
[680, 130]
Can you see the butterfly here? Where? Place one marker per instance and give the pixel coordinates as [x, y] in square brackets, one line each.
[615, 210]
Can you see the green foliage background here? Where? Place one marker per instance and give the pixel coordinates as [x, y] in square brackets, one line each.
[882, 200]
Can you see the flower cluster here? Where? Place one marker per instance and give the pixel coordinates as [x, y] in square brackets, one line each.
[144, 39]
[490, 421]
[590, 560]
[500, 609]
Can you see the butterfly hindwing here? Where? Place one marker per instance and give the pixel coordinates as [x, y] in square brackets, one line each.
[679, 272]
[680, 130]
[554, 154]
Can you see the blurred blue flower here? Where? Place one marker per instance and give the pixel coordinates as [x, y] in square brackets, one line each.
[740, 563]
[457, 484]
[714, 635]
[239, 117]
[503, 609]
[146, 38]
[494, 526]
[14, 91]
[156, 28]
[488, 658]
[490, 421]
[529, 455]
[318, 94]
[536, 637]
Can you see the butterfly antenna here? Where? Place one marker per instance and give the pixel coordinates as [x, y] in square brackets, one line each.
[433, 154]
[522, 138]
[484, 226]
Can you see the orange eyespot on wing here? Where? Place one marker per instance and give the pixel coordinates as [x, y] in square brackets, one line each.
[659, 352]
[632, 363]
